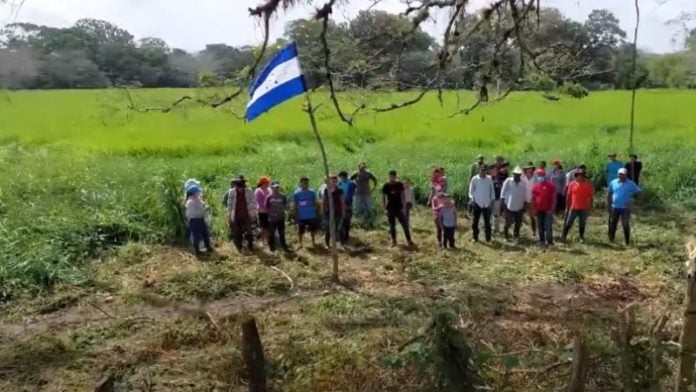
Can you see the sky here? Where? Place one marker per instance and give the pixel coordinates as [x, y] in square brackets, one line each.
[191, 24]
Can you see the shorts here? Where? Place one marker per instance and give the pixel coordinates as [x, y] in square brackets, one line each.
[305, 225]
[263, 220]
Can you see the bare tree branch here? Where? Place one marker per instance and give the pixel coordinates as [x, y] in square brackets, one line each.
[323, 14]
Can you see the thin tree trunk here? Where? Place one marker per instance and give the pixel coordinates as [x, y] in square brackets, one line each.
[688, 339]
[657, 364]
[581, 358]
[332, 207]
[623, 337]
[252, 352]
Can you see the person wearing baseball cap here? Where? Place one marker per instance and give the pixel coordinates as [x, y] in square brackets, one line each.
[619, 195]
[612, 168]
[579, 200]
[544, 199]
[481, 196]
[514, 197]
[197, 227]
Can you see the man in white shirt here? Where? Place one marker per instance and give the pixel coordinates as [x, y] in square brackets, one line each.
[514, 195]
[482, 195]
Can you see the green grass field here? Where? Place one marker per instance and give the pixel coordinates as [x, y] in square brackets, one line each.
[93, 271]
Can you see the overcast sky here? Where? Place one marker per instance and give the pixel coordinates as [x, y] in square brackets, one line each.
[190, 24]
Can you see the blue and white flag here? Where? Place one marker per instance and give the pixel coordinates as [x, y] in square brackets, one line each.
[280, 80]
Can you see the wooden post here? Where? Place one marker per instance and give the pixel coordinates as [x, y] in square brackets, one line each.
[332, 207]
[252, 352]
[687, 341]
[580, 365]
[623, 336]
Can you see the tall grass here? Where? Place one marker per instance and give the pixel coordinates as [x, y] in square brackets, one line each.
[82, 174]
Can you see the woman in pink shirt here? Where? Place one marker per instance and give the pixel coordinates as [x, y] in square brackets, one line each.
[260, 196]
[437, 203]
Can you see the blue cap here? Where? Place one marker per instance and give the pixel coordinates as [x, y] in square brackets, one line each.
[193, 189]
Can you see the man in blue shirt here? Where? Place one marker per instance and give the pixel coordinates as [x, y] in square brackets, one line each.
[305, 206]
[619, 195]
[348, 188]
[612, 169]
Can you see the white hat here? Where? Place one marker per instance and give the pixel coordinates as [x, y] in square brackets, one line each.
[623, 171]
[517, 170]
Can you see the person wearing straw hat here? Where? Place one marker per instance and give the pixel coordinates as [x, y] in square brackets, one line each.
[619, 195]
[242, 211]
[514, 197]
[579, 200]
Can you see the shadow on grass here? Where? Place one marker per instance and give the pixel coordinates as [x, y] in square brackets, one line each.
[26, 360]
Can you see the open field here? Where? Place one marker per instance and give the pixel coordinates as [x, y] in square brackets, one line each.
[94, 280]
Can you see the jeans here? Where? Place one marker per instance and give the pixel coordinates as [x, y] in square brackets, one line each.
[625, 215]
[560, 203]
[398, 215]
[510, 218]
[545, 227]
[496, 212]
[336, 229]
[242, 231]
[362, 205]
[486, 212]
[198, 231]
[448, 237]
[344, 231]
[570, 220]
[277, 229]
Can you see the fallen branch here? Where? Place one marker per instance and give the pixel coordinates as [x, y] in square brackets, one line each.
[292, 284]
[101, 310]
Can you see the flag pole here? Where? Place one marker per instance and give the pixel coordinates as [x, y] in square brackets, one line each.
[332, 207]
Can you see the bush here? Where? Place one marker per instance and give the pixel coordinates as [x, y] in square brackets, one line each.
[574, 90]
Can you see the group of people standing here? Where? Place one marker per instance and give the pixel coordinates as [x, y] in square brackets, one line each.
[545, 193]
[494, 196]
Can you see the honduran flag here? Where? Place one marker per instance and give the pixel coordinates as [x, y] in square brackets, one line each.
[280, 80]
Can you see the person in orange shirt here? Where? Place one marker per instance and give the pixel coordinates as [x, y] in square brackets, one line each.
[579, 200]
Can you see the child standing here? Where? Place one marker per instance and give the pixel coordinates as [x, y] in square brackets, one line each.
[448, 221]
[195, 214]
[276, 204]
[437, 204]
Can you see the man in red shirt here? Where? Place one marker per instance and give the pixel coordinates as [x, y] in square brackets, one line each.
[544, 199]
[579, 200]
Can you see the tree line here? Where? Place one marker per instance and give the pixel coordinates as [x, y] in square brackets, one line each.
[374, 50]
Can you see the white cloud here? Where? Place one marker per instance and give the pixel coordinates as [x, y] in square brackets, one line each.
[191, 24]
